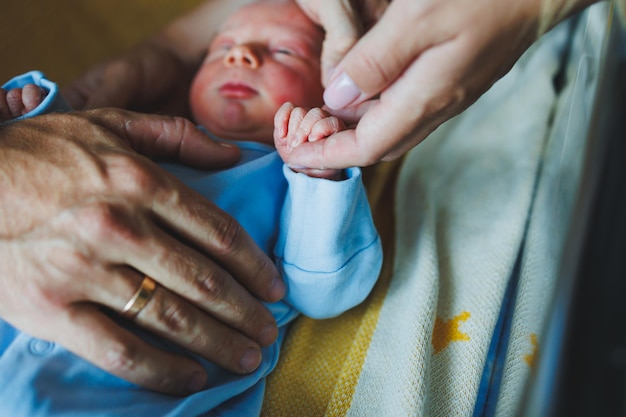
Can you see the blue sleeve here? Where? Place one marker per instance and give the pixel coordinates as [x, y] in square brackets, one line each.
[53, 101]
[328, 249]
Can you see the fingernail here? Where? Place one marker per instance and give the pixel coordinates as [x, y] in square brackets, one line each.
[226, 145]
[250, 360]
[268, 335]
[196, 382]
[341, 92]
[276, 291]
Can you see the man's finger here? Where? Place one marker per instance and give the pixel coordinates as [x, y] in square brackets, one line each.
[167, 137]
[92, 335]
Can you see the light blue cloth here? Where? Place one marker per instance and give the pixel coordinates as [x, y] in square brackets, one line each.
[53, 102]
[319, 231]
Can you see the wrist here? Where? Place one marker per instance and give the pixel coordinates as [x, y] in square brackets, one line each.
[328, 174]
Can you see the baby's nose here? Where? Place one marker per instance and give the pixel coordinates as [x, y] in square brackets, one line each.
[242, 55]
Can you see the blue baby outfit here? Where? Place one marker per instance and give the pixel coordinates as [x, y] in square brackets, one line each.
[319, 232]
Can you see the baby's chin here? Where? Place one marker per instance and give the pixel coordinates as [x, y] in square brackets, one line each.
[236, 121]
[241, 132]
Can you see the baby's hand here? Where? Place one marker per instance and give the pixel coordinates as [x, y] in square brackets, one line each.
[294, 125]
[19, 101]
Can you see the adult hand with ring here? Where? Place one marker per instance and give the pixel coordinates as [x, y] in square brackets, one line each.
[85, 219]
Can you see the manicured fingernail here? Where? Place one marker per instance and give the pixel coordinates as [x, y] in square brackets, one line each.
[341, 92]
[268, 335]
[250, 360]
[276, 291]
[196, 382]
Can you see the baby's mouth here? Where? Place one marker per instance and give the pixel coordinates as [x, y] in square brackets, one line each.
[237, 90]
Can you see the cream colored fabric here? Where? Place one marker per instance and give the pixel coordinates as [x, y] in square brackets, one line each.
[555, 199]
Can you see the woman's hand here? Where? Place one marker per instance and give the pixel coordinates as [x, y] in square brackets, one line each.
[424, 62]
[84, 217]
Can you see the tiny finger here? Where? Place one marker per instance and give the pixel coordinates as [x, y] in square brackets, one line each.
[15, 103]
[32, 96]
[325, 127]
[295, 135]
[281, 121]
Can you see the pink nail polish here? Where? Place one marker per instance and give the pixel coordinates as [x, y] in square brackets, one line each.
[341, 92]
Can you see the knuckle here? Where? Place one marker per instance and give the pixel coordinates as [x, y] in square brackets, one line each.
[176, 317]
[212, 286]
[119, 359]
[102, 221]
[133, 176]
[241, 314]
[97, 220]
[227, 235]
[182, 126]
[340, 46]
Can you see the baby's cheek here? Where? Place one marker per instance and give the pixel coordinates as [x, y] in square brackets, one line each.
[197, 100]
[301, 89]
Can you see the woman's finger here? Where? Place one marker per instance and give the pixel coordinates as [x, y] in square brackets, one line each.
[381, 55]
[166, 137]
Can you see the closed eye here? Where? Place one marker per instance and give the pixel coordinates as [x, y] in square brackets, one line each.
[283, 51]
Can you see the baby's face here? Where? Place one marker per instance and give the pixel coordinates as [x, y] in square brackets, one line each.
[264, 55]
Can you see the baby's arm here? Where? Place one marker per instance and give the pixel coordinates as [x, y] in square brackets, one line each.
[295, 125]
[327, 249]
[19, 101]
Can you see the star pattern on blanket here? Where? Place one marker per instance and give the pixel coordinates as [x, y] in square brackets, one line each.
[448, 331]
[531, 357]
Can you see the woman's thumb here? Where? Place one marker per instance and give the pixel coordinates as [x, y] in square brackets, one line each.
[374, 62]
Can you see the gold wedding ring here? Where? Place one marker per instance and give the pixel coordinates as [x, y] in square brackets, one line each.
[139, 300]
